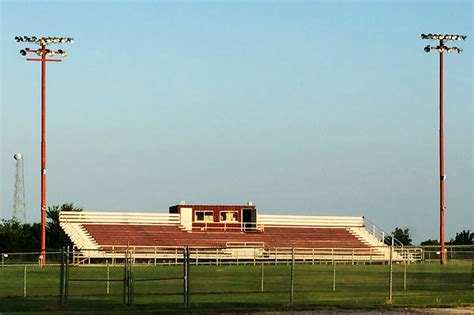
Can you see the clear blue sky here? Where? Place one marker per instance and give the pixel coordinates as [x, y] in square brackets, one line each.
[307, 107]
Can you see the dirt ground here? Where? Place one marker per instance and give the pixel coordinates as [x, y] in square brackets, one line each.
[398, 311]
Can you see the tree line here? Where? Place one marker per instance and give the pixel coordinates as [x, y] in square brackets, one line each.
[22, 237]
[25, 237]
[465, 237]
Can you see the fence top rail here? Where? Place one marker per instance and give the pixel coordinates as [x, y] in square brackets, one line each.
[470, 248]
[232, 246]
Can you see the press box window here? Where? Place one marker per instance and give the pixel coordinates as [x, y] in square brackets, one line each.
[204, 216]
[228, 216]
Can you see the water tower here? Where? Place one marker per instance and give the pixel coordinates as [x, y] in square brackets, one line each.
[19, 211]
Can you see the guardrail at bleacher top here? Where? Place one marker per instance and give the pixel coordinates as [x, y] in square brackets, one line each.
[307, 220]
[118, 217]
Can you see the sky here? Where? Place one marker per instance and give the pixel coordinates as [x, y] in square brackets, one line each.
[302, 107]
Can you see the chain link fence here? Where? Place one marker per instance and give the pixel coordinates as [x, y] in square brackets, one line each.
[295, 278]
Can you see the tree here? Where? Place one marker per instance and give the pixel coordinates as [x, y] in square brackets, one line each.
[429, 242]
[402, 235]
[10, 235]
[56, 238]
[17, 237]
[463, 238]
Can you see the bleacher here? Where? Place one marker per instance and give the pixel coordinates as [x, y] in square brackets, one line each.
[98, 234]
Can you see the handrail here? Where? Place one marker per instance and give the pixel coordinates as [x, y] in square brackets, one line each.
[245, 244]
[306, 220]
[380, 234]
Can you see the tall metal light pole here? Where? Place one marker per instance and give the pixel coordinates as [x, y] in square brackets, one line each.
[441, 48]
[43, 52]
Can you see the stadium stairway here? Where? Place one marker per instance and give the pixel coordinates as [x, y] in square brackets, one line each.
[378, 245]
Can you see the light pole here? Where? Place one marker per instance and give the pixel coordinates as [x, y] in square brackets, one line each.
[441, 48]
[43, 52]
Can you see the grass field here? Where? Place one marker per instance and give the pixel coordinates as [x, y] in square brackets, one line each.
[239, 287]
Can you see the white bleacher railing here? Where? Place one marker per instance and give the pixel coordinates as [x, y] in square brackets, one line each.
[90, 217]
[306, 220]
[378, 233]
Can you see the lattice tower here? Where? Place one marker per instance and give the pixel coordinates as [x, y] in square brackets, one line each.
[19, 209]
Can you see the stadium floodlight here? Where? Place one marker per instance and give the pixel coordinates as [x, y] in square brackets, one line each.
[62, 52]
[443, 37]
[43, 53]
[441, 48]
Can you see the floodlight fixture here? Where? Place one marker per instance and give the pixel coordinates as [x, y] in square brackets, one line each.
[443, 36]
[62, 52]
[441, 48]
[43, 52]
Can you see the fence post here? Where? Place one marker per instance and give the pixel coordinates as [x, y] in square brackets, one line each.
[61, 280]
[186, 278]
[113, 255]
[292, 280]
[333, 276]
[390, 281]
[312, 262]
[254, 255]
[276, 254]
[66, 276]
[24, 282]
[125, 278]
[405, 257]
[261, 277]
[130, 279]
[108, 278]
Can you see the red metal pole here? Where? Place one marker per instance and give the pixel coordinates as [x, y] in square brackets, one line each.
[43, 156]
[442, 206]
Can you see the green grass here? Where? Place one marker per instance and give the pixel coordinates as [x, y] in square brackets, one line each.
[238, 287]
